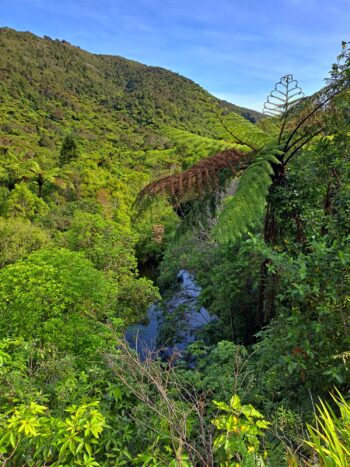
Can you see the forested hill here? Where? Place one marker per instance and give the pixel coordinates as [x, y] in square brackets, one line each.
[49, 86]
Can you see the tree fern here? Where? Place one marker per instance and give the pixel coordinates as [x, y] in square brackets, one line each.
[204, 175]
[196, 143]
[284, 96]
[297, 121]
[245, 209]
[236, 129]
[198, 179]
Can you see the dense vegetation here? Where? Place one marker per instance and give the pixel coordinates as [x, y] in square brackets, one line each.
[81, 135]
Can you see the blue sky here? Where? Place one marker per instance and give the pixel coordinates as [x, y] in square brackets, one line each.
[236, 49]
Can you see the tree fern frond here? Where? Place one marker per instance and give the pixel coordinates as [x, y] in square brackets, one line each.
[235, 128]
[295, 122]
[196, 143]
[283, 97]
[198, 179]
[243, 210]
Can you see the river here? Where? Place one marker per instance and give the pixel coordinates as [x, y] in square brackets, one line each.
[187, 316]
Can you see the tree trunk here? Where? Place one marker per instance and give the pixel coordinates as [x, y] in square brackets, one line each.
[41, 182]
[333, 188]
[266, 294]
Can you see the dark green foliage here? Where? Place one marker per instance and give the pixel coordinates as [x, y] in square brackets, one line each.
[69, 150]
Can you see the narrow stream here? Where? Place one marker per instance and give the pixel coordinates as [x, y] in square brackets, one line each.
[183, 307]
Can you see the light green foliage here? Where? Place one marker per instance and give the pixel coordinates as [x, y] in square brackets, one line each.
[199, 146]
[55, 295]
[107, 102]
[330, 436]
[75, 397]
[246, 207]
[43, 173]
[104, 242]
[155, 229]
[18, 238]
[232, 127]
[13, 169]
[22, 202]
[29, 434]
[63, 307]
[110, 247]
[240, 429]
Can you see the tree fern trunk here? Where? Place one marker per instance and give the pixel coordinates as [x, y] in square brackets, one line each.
[40, 181]
[268, 282]
[332, 191]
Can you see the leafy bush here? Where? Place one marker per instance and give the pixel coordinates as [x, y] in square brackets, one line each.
[18, 238]
[240, 428]
[30, 435]
[22, 202]
[57, 296]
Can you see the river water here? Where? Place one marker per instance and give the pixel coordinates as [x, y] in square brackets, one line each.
[183, 307]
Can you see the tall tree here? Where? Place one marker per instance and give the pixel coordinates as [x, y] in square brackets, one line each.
[69, 149]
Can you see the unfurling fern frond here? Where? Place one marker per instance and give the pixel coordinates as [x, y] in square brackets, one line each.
[235, 128]
[198, 179]
[283, 97]
[245, 209]
[304, 118]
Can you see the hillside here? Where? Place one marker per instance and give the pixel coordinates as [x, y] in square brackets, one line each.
[111, 173]
[50, 87]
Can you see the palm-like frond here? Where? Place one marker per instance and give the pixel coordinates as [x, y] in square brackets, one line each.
[284, 96]
[204, 176]
[243, 210]
[296, 121]
[235, 128]
[196, 143]
[198, 179]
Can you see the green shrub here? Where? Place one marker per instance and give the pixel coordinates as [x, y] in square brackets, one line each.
[240, 428]
[18, 238]
[57, 296]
